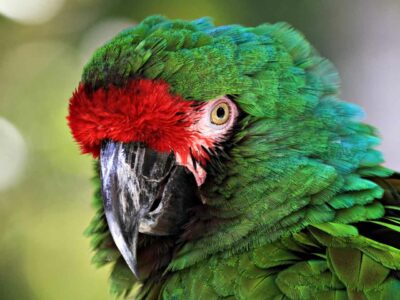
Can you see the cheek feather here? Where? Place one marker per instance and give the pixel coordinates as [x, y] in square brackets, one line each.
[194, 156]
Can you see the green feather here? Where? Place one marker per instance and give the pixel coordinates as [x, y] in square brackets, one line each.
[299, 201]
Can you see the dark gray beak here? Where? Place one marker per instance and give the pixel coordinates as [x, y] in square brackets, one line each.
[145, 192]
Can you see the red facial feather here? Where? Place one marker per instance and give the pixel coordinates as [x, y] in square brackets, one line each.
[143, 110]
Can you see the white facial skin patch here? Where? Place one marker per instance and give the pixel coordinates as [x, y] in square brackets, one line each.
[208, 133]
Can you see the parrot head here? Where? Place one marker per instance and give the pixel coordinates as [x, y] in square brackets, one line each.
[153, 148]
[214, 138]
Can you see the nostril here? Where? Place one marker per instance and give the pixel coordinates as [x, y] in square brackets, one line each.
[160, 191]
[155, 204]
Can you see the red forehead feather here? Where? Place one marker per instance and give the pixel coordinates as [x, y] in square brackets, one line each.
[143, 110]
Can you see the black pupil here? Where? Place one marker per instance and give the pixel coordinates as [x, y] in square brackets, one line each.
[220, 112]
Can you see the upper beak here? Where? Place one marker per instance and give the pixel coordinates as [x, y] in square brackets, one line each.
[143, 191]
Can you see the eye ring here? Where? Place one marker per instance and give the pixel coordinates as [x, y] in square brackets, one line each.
[220, 113]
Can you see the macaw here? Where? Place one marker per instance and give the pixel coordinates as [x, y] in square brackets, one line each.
[227, 167]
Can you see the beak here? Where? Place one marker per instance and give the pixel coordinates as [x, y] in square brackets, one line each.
[144, 192]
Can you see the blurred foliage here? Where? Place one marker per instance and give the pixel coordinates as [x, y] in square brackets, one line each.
[43, 253]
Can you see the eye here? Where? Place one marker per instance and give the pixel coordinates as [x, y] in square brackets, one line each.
[220, 114]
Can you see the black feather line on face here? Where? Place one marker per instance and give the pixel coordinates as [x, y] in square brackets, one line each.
[194, 161]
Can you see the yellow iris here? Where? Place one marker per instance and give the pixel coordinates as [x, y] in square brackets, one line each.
[220, 114]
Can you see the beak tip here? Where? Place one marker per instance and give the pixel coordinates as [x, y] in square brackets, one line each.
[135, 269]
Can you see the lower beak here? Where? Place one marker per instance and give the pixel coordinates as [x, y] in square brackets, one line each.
[144, 191]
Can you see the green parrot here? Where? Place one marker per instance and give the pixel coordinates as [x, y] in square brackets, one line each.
[227, 167]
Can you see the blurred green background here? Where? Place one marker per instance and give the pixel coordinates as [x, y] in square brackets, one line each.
[45, 189]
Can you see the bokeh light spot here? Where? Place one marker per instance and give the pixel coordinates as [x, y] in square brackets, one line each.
[12, 154]
[30, 11]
